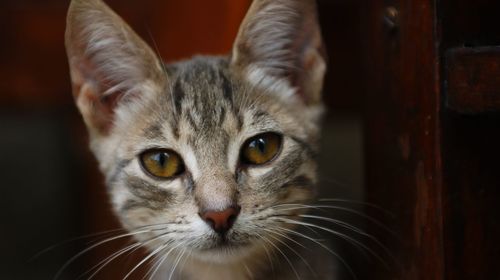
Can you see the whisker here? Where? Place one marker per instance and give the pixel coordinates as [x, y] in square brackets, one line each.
[131, 249]
[269, 257]
[72, 259]
[190, 252]
[293, 216]
[108, 260]
[351, 240]
[355, 229]
[157, 51]
[176, 263]
[283, 254]
[371, 205]
[336, 255]
[284, 236]
[250, 274]
[320, 207]
[335, 182]
[291, 249]
[92, 235]
[165, 245]
[158, 264]
[291, 230]
[337, 222]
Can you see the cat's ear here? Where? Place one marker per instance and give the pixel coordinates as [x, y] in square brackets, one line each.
[110, 65]
[279, 47]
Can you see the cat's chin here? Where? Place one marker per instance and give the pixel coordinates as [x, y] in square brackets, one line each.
[224, 252]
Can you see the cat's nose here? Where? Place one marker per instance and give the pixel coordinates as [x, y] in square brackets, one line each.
[221, 221]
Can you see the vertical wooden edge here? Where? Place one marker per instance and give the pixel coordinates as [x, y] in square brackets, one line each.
[403, 139]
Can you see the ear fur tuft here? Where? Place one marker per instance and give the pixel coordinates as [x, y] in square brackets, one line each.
[108, 62]
[279, 47]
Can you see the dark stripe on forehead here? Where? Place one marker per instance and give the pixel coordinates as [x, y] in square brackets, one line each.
[196, 101]
[212, 75]
[260, 114]
[227, 88]
[154, 131]
[175, 128]
[200, 71]
[178, 95]
[239, 118]
[191, 120]
[260, 117]
[222, 116]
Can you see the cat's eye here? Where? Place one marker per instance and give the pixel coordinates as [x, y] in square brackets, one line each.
[163, 164]
[261, 149]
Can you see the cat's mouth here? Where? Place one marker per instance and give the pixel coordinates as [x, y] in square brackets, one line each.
[224, 243]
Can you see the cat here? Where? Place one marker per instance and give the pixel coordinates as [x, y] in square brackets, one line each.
[208, 162]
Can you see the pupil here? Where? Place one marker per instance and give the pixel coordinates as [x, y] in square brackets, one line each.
[161, 158]
[261, 145]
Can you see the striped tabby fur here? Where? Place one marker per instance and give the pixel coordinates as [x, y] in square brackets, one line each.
[205, 109]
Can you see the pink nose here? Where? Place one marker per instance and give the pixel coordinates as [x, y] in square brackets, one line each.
[221, 221]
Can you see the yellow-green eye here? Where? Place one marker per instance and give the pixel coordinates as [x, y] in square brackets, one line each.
[261, 149]
[163, 164]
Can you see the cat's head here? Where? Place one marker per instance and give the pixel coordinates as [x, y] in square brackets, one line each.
[203, 155]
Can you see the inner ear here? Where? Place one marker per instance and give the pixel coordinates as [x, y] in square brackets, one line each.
[109, 62]
[279, 47]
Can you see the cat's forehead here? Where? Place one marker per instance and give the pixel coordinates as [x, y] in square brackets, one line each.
[201, 86]
[203, 111]
[204, 71]
[206, 102]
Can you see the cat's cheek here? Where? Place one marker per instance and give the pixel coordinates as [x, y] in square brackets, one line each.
[259, 171]
[118, 198]
[296, 195]
[136, 218]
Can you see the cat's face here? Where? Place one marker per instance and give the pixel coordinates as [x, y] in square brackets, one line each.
[203, 155]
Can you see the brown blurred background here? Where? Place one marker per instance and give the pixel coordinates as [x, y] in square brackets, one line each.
[413, 126]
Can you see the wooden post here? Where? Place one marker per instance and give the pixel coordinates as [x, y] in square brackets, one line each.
[402, 119]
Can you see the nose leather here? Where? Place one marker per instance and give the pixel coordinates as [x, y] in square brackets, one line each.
[221, 221]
